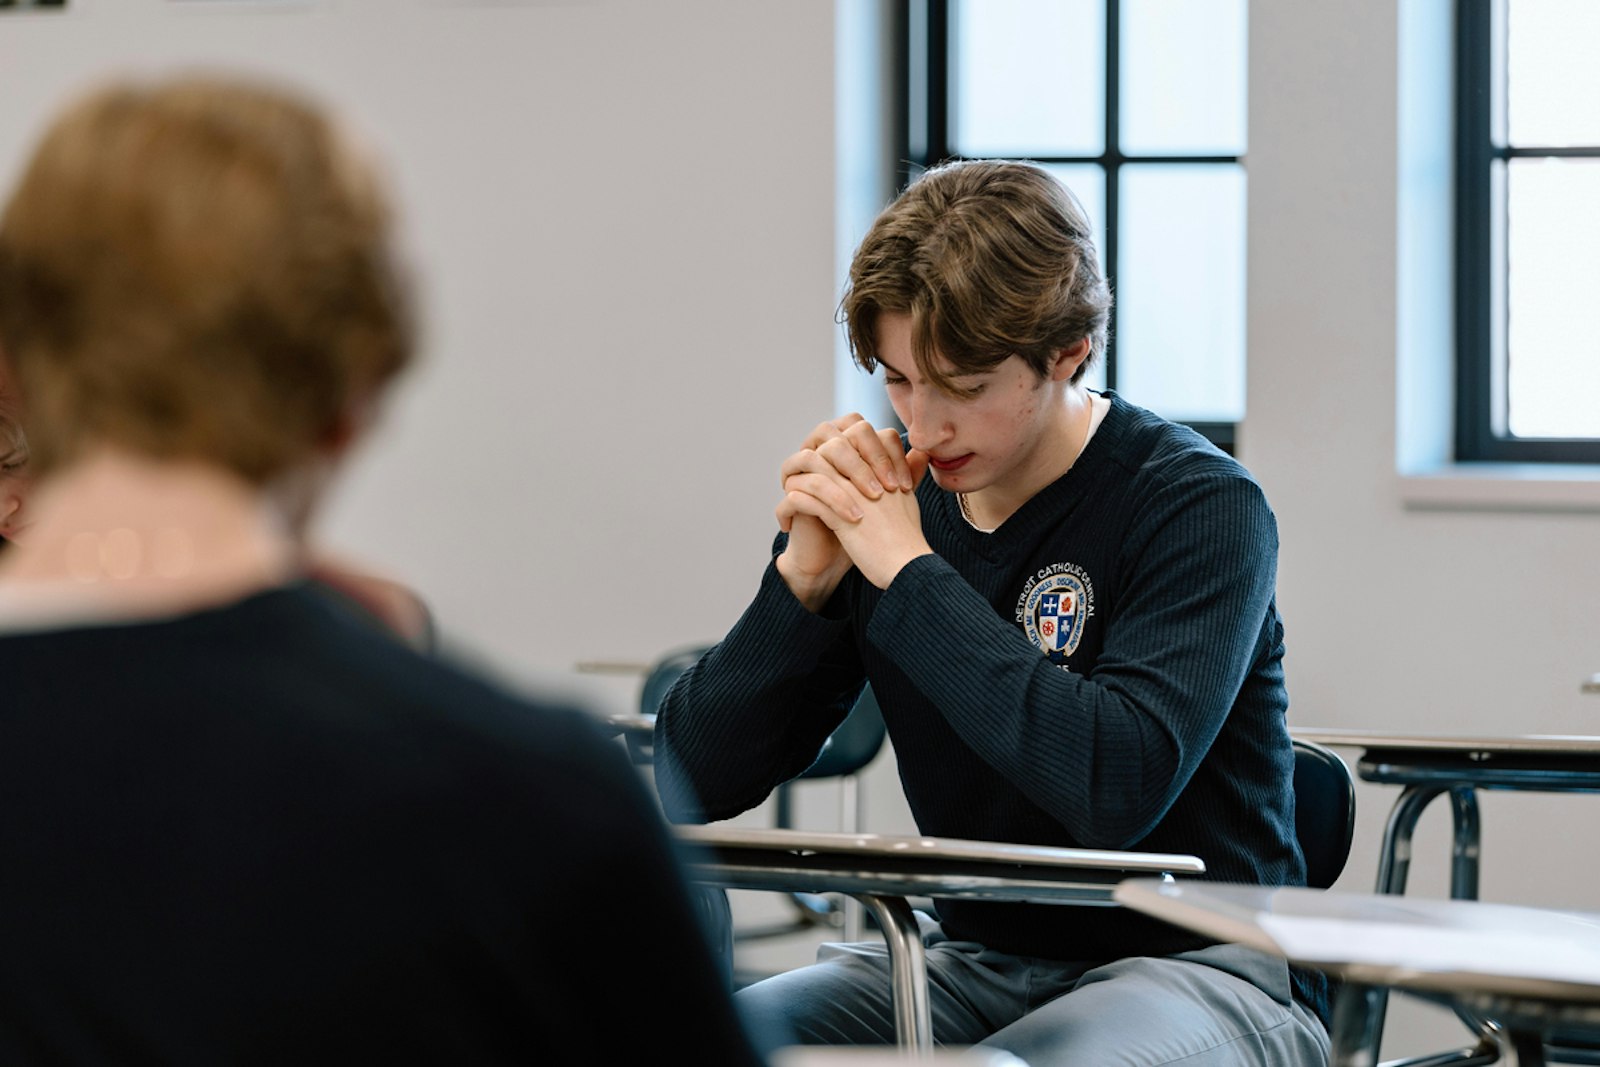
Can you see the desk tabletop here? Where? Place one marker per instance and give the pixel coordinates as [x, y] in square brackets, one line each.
[1522, 744]
[1449, 946]
[931, 850]
[891, 865]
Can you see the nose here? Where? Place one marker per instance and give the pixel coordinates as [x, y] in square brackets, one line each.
[930, 424]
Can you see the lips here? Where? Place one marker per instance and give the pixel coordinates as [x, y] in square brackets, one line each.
[948, 465]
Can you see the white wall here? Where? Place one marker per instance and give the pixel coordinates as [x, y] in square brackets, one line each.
[624, 214]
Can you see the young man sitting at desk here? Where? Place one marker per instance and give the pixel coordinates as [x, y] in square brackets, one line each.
[1065, 607]
[240, 822]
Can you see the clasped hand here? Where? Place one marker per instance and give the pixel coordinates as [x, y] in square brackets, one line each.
[849, 498]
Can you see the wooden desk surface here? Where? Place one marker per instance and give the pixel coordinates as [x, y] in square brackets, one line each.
[1449, 946]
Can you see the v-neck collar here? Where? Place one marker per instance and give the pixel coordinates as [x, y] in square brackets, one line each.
[1051, 504]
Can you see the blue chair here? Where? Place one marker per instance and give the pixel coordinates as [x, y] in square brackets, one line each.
[852, 745]
[1324, 811]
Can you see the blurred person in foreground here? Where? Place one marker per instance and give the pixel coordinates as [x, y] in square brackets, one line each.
[390, 603]
[238, 822]
[15, 478]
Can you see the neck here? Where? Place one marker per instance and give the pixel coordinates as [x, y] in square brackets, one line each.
[1057, 451]
[147, 536]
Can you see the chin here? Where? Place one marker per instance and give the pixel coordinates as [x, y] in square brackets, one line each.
[953, 481]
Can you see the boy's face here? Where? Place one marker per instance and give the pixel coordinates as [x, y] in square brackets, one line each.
[995, 438]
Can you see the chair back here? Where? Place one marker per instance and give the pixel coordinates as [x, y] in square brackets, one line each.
[852, 745]
[854, 742]
[1324, 811]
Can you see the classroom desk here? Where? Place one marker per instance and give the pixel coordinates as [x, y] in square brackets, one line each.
[882, 871]
[1532, 970]
[1430, 766]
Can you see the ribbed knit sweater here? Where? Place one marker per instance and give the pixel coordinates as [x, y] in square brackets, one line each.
[1104, 670]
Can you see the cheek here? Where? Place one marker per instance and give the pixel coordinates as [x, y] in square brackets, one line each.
[901, 404]
[1024, 408]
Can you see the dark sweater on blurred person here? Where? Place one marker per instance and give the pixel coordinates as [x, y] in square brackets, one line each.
[1143, 707]
[269, 834]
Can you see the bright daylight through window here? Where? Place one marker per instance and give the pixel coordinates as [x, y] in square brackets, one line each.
[1139, 107]
[1528, 183]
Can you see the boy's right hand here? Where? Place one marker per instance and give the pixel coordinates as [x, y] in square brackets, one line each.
[814, 563]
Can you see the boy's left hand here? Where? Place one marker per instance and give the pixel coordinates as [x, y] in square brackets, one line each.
[888, 535]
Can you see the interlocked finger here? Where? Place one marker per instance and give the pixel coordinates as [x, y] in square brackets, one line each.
[835, 495]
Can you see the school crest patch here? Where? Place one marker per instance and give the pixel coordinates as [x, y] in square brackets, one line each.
[1053, 608]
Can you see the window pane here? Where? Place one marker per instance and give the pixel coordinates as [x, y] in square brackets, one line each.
[1027, 77]
[1088, 183]
[1552, 80]
[1553, 254]
[1183, 77]
[1180, 290]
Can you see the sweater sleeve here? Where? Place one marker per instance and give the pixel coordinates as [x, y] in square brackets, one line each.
[757, 708]
[1107, 753]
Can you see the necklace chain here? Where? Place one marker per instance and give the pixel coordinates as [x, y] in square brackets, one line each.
[1088, 431]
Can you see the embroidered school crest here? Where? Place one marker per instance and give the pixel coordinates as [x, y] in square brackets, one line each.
[1054, 607]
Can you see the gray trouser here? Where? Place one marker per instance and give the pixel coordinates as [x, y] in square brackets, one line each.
[1224, 1005]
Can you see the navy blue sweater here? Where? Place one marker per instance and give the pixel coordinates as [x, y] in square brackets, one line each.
[269, 834]
[1102, 671]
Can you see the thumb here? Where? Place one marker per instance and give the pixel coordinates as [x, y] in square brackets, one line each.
[917, 460]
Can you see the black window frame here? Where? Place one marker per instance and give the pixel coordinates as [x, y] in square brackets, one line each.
[1481, 264]
[926, 139]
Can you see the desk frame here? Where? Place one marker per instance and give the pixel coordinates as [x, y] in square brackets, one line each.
[1428, 767]
[1524, 1003]
[882, 871]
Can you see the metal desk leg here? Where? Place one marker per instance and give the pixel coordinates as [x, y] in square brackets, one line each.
[1464, 850]
[1394, 865]
[1357, 1022]
[908, 966]
[1523, 1049]
[1394, 860]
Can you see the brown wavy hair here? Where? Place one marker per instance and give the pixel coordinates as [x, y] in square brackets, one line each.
[990, 258]
[197, 268]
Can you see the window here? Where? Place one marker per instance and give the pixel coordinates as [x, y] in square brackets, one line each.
[1139, 107]
[1528, 231]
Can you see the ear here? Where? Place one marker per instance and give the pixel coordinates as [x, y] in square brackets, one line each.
[1068, 360]
[348, 427]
